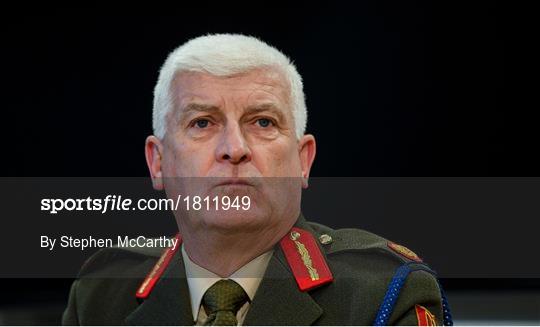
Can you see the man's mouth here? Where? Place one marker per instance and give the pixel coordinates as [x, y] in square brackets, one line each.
[236, 181]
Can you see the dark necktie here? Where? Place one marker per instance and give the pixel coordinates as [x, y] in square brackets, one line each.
[222, 301]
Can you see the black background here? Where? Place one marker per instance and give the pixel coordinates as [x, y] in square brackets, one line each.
[393, 89]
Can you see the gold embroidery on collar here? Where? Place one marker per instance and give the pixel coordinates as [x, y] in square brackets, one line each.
[304, 254]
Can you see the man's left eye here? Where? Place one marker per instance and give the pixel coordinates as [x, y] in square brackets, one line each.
[264, 122]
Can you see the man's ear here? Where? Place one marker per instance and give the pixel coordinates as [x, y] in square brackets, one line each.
[153, 151]
[307, 149]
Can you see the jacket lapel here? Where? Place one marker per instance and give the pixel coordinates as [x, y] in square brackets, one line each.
[169, 302]
[278, 300]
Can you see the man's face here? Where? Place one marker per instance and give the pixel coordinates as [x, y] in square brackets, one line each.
[238, 133]
[239, 126]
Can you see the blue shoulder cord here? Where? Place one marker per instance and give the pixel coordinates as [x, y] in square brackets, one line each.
[392, 293]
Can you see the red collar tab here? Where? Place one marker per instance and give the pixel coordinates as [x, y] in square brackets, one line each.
[150, 281]
[305, 259]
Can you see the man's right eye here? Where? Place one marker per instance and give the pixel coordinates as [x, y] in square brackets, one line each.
[201, 123]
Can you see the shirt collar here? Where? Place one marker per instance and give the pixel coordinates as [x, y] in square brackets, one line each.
[200, 279]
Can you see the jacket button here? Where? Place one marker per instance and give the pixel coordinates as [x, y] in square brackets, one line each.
[325, 239]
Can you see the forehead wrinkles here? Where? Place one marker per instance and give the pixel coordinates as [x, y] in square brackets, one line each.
[269, 81]
[273, 82]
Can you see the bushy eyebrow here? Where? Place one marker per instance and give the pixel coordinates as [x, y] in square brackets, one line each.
[250, 110]
[198, 107]
[193, 108]
[266, 107]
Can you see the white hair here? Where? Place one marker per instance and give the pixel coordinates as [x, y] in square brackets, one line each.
[225, 55]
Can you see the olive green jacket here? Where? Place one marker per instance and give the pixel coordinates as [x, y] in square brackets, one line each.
[361, 263]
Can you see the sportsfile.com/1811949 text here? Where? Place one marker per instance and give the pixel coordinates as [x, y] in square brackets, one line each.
[119, 203]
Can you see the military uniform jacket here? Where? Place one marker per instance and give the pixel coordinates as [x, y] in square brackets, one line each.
[362, 266]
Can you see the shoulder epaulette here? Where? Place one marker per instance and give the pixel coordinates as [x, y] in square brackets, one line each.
[105, 256]
[151, 279]
[352, 239]
[403, 251]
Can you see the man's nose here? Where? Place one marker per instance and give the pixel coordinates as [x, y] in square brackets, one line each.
[233, 146]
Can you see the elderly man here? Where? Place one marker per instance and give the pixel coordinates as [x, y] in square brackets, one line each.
[229, 119]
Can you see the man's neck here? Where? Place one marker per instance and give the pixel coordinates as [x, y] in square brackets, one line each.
[225, 253]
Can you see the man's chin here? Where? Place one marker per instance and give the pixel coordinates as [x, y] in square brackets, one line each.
[233, 221]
